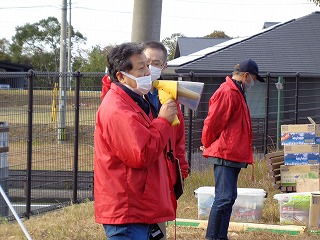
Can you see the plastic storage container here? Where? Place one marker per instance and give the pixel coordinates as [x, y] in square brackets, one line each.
[294, 208]
[247, 207]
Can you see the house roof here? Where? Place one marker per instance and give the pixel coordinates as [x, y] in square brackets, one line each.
[285, 49]
[188, 45]
[269, 24]
[14, 67]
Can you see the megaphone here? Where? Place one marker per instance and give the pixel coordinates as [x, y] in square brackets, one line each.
[185, 92]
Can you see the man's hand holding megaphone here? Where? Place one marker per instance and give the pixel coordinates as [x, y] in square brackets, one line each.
[185, 92]
[168, 110]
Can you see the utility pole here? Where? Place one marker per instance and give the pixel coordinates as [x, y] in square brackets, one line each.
[62, 78]
[146, 21]
[69, 48]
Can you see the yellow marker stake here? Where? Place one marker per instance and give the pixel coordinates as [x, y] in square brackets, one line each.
[54, 105]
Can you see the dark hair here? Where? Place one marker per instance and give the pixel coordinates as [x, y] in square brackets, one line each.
[119, 58]
[156, 45]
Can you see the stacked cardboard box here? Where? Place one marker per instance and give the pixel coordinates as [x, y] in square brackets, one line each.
[291, 175]
[301, 148]
[301, 152]
[300, 134]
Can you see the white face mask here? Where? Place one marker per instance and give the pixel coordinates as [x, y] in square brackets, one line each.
[155, 72]
[248, 86]
[143, 83]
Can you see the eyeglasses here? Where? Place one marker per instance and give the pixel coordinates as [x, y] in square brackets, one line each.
[155, 63]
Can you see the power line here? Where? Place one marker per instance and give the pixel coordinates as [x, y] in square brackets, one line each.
[101, 10]
[51, 6]
[41, 6]
[242, 3]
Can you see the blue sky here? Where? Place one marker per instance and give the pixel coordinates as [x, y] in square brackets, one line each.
[106, 22]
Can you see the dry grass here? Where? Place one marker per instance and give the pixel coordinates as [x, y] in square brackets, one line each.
[51, 156]
[47, 154]
[77, 221]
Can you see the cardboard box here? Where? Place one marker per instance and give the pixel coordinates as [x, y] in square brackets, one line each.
[297, 134]
[301, 154]
[290, 174]
[247, 207]
[307, 185]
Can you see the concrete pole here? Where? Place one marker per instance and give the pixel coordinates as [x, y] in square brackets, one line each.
[69, 49]
[146, 22]
[62, 78]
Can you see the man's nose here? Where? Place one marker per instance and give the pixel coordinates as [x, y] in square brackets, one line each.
[147, 72]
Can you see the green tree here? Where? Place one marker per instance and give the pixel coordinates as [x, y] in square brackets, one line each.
[39, 44]
[317, 2]
[4, 50]
[94, 60]
[97, 60]
[171, 44]
[217, 34]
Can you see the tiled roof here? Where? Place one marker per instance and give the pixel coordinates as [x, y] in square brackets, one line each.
[285, 49]
[8, 66]
[188, 45]
[269, 24]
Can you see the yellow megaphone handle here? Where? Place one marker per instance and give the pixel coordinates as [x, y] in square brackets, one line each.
[175, 121]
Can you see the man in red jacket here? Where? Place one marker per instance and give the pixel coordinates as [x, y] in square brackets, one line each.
[132, 191]
[227, 142]
[157, 54]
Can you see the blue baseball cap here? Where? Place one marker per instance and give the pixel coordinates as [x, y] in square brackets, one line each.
[250, 66]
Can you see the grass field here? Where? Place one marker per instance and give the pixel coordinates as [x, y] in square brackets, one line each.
[77, 221]
[47, 154]
[51, 157]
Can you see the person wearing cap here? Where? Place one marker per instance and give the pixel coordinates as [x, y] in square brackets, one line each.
[227, 142]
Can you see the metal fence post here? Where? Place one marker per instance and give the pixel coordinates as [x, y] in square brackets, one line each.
[190, 114]
[76, 136]
[4, 166]
[31, 75]
[296, 109]
[266, 121]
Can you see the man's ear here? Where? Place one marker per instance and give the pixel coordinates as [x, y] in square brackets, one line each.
[120, 77]
[246, 76]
